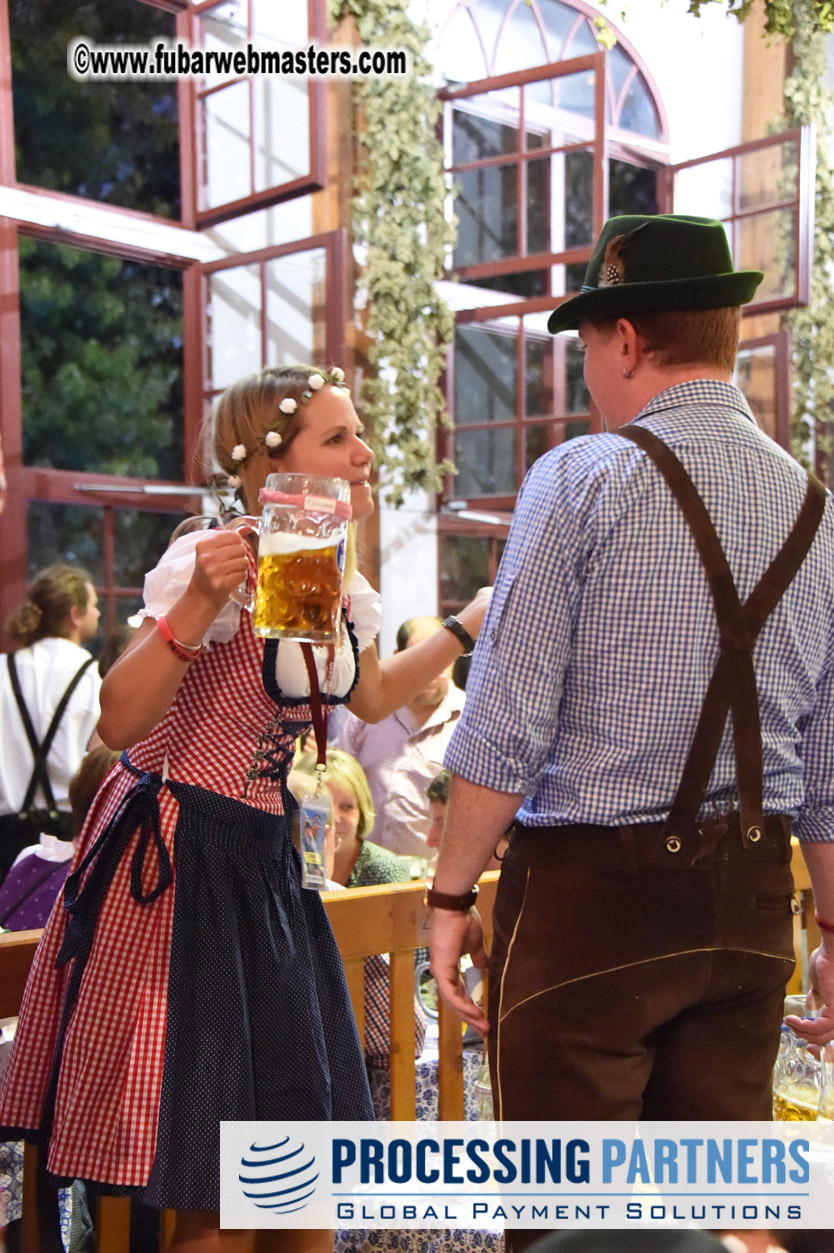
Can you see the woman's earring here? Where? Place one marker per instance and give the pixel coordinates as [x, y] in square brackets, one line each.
[629, 374]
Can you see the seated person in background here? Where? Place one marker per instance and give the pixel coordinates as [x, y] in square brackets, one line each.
[438, 795]
[34, 882]
[401, 754]
[377, 1044]
[358, 863]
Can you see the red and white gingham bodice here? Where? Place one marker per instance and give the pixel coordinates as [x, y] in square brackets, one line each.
[213, 729]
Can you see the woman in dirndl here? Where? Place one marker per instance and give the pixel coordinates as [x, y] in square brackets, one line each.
[186, 977]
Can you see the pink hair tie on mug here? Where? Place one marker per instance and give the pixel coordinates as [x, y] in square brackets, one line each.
[311, 504]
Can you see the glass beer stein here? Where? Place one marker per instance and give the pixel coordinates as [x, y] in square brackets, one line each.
[302, 540]
[796, 1076]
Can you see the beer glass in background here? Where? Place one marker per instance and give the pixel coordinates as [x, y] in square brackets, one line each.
[301, 557]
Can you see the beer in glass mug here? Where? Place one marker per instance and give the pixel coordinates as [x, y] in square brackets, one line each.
[301, 557]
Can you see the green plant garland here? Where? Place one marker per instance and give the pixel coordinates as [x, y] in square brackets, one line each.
[812, 328]
[399, 215]
[782, 17]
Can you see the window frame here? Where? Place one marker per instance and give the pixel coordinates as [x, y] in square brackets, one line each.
[193, 137]
[802, 202]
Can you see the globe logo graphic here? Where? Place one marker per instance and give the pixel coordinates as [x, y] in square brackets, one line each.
[279, 1177]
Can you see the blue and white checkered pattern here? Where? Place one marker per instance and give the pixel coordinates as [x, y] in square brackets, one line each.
[600, 639]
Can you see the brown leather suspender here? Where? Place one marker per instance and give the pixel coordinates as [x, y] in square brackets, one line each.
[733, 682]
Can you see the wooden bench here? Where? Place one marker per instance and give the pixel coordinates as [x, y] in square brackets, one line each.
[386, 919]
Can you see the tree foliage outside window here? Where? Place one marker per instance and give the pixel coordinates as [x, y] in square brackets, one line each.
[115, 142]
[101, 362]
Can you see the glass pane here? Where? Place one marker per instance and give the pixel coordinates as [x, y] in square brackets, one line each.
[638, 113]
[234, 324]
[139, 540]
[539, 206]
[476, 138]
[282, 152]
[228, 136]
[573, 430]
[708, 184]
[559, 19]
[461, 57]
[224, 29]
[65, 533]
[756, 376]
[485, 376]
[538, 440]
[574, 276]
[631, 189]
[464, 566]
[488, 16]
[767, 175]
[487, 210]
[115, 142]
[583, 42]
[523, 283]
[485, 462]
[278, 24]
[101, 360]
[577, 397]
[521, 42]
[579, 187]
[296, 299]
[766, 243]
[538, 377]
[620, 66]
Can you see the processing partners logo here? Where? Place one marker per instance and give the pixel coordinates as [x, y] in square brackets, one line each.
[365, 1176]
[279, 1177]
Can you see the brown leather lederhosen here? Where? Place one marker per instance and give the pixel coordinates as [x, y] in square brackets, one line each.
[639, 971]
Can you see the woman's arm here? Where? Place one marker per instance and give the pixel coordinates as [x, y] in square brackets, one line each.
[138, 690]
[384, 686]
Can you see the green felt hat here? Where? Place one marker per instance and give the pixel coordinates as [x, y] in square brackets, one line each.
[654, 265]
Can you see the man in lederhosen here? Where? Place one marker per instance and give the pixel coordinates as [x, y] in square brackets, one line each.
[652, 699]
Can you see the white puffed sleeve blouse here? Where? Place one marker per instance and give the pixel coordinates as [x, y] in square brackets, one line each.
[168, 580]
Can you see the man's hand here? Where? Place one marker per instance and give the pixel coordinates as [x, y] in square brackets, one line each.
[451, 935]
[818, 1030]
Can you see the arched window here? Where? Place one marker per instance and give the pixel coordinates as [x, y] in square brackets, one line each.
[487, 38]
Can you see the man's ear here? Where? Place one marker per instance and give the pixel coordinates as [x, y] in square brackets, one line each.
[631, 344]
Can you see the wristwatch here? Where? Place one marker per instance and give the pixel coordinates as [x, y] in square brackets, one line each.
[442, 900]
[460, 632]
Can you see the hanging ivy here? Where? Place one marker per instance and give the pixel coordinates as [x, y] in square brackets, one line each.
[782, 17]
[399, 217]
[807, 100]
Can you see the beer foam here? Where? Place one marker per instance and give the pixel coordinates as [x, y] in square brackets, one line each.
[272, 543]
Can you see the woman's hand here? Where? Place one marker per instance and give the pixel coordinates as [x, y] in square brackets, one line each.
[221, 566]
[140, 687]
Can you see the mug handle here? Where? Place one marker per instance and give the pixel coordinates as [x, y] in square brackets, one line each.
[245, 594]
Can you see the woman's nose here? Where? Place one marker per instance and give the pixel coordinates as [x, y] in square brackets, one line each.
[363, 452]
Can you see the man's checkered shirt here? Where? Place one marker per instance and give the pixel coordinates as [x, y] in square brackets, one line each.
[600, 639]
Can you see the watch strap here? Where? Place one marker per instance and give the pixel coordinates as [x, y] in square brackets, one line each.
[442, 900]
[457, 628]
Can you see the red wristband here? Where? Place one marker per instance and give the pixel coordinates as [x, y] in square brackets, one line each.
[184, 652]
[824, 926]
